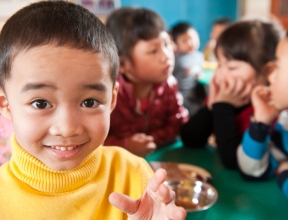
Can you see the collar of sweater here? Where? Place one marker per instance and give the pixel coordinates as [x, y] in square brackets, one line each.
[38, 176]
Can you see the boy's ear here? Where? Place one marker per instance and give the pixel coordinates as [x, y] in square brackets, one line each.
[268, 69]
[114, 96]
[124, 65]
[4, 105]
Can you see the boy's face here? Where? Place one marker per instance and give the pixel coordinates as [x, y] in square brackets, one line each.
[153, 60]
[234, 68]
[217, 29]
[59, 101]
[188, 42]
[279, 77]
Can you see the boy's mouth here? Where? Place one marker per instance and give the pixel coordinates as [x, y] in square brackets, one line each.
[62, 148]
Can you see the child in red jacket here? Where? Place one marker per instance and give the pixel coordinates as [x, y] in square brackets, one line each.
[149, 111]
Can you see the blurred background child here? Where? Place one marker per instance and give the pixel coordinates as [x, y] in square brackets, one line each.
[218, 27]
[263, 153]
[188, 64]
[5, 133]
[149, 111]
[245, 51]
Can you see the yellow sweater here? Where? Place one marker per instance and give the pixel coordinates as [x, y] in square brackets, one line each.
[31, 190]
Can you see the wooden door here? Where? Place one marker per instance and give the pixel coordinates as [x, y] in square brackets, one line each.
[279, 8]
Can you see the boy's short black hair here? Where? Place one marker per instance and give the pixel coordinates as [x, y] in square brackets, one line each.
[129, 25]
[179, 29]
[222, 21]
[58, 23]
[251, 41]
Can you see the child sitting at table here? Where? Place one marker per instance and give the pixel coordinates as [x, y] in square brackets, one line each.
[58, 67]
[263, 152]
[245, 51]
[5, 133]
[218, 27]
[188, 64]
[149, 111]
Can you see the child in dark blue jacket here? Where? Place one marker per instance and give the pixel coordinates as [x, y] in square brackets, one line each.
[264, 148]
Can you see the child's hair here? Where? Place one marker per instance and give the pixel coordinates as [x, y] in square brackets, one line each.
[129, 25]
[251, 41]
[179, 29]
[222, 21]
[58, 23]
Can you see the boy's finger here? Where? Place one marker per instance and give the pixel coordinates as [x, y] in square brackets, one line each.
[158, 178]
[231, 84]
[152, 145]
[165, 194]
[174, 212]
[247, 91]
[123, 202]
[239, 87]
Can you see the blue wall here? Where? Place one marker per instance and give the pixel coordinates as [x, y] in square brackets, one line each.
[200, 13]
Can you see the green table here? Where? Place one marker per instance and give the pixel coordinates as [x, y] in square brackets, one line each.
[206, 76]
[238, 199]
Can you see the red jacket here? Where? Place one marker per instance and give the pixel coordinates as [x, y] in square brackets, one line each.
[162, 119]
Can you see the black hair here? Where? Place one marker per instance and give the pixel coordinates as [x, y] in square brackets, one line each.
[129, 25]
[58, 23]
[179, 29]
[251, 41]
[222, 21]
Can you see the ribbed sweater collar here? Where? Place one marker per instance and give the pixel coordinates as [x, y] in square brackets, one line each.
[38, 176]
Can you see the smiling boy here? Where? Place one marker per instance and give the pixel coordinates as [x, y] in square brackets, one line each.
[58, 67]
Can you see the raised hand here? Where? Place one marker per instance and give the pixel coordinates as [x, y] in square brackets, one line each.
[234, 91]
[157, 202]
[264, 110]
[141, 144]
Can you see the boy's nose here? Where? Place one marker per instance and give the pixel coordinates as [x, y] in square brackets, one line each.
[166, 53]
[67, 124]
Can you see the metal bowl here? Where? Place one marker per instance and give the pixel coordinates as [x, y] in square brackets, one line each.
[193, 195]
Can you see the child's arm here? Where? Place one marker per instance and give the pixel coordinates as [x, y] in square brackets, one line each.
[228, 136]
[254, 158]
[157, 202]
[253, 154]
[228, 94]
[197, 130]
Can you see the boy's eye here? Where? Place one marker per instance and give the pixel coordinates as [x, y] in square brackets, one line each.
[90, 103]
[41, 104]
[232, 67]
[152, 51]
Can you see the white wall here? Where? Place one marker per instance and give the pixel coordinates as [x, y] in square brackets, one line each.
[255, 8]
[9, 7]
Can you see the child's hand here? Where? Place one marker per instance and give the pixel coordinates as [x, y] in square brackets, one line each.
[234, 91]
[156, 203]
[264, 110]
[282, 167]
[141, 144]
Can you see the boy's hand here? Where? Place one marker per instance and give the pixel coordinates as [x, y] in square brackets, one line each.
[264, 110]
[234, 91]
[157, 202]
[141, 144]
